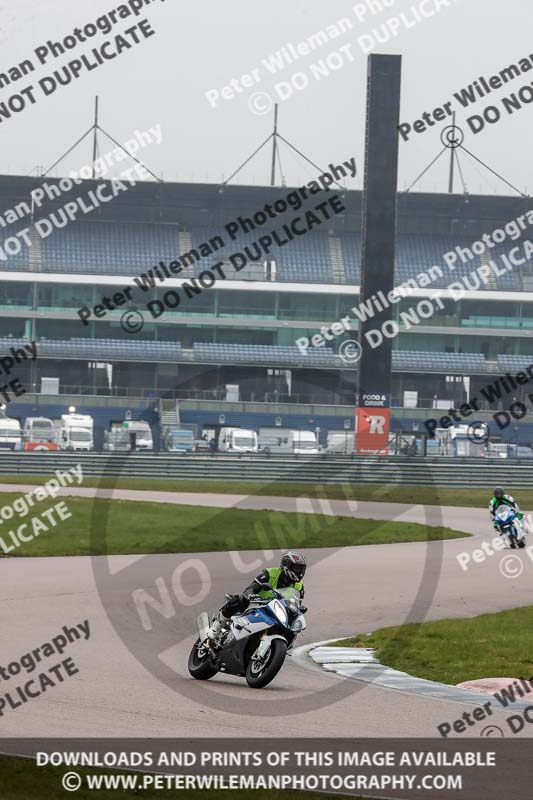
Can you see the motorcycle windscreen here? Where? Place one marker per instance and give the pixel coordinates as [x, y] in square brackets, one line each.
[504, 514]
[291, 597]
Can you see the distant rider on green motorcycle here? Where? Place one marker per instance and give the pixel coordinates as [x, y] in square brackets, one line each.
[501, 499]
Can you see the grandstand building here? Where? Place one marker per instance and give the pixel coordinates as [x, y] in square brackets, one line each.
[231, 349]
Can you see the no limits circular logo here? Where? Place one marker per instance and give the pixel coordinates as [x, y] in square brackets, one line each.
[153, 602]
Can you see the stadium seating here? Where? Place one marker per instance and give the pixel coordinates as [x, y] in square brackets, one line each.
[114, 349]
[351, 246]
[18, 261]
[6, 342]
[151, 350]
[260, 354]
[110, 349]
[223, 353]
[308, 260]
[514, 363]
[108, 248]
[414, 360]
[305, 259]
[105, 248]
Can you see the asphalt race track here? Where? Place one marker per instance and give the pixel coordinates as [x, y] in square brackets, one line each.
[347, 590]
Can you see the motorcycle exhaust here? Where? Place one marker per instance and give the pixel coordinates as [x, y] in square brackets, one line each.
[203, 625]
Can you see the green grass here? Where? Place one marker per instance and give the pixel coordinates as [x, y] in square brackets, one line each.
[457, 650]
[123, 526]
[427, 495]
[21, 779]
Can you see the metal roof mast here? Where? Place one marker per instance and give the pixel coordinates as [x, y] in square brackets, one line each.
[452, 137]
[95, 129]
[274, 136]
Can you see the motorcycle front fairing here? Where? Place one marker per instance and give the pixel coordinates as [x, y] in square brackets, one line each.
[260, 623]
[505, 515]
[505, 518]
[509, 523]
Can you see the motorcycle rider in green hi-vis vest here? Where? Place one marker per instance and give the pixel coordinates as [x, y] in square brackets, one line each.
[290, 573]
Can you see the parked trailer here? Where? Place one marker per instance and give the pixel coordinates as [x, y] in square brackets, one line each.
[279, 440]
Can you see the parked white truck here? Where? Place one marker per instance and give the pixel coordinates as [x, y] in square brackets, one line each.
[129, 435]
[74, 431]
[280, 440]
[10, 433]
[38, 433]
[237, 440]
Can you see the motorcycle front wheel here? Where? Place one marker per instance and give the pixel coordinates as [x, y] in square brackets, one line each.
[511, 537]
[260, 673]
[200, 665]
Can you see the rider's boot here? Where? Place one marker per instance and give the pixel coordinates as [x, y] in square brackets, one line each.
[217, 626]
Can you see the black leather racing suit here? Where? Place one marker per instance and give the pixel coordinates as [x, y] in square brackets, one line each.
[238, 603]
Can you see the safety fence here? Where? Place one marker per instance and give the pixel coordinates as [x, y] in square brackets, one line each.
[315, 469]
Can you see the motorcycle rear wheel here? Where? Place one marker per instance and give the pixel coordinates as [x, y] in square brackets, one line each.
[258, 679]
[201, 668]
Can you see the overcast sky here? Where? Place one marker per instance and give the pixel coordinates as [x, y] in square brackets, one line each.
[200, 46]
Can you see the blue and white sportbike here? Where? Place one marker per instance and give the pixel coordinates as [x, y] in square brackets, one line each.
[253, 645]
[510, 526]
